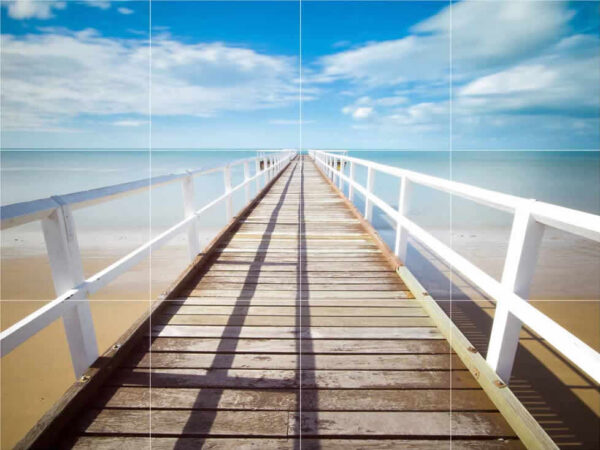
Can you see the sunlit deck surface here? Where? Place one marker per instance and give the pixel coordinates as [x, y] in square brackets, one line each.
[296, 333]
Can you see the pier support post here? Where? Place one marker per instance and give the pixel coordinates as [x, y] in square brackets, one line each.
[193, 231]
[67, 272]
[246, 178]
[351, 183]
[401, 244]
[369, 187]
[228, 200]
[519, 267]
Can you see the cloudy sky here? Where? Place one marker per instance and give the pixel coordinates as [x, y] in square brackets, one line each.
[394, 74]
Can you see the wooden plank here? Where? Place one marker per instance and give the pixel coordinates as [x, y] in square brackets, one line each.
[312, 311]
[456, 424]
[289, 379]
[201, 423]
[240, 269]
[305, 244]
[190, 443]
[310, 279]
[328, 252]
[368, 259]
[293, 332]
[324, 268]
[261, 287]
[291, 362]
[290, 321]
[296, 235]
[258, 301]
[289, 294]
[288, 400]
[335, 346]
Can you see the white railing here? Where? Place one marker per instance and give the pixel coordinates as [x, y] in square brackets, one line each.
[530, 219]
[62, 247]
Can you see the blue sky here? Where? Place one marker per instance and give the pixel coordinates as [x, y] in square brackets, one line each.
[394, 74]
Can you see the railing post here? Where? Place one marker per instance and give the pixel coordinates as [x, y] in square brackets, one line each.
[334, 170]
[401, 232]
[188, 210]
[229, 200]
[519, 267]
[246, 178]
[257, 169]
[331, 172]
[340, 179]
[67, 272]
[351, 183]
[369, 187]
[266, 169]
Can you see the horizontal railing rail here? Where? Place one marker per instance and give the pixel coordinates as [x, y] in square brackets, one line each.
[530, 218]
[72, 289]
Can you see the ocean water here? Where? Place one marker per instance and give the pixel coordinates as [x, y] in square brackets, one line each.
[28, 175]
[570, 179]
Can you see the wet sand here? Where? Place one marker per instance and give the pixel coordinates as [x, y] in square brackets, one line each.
[36, 374]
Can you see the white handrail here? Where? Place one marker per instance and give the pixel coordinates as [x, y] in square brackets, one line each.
[530, 219]
[65, 260]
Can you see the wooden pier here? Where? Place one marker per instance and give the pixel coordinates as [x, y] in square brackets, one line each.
[293, 329]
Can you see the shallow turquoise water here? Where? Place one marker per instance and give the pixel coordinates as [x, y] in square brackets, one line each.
[570, 179]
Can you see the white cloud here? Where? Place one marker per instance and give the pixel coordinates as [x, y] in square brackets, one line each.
[125, 11]
[340, 44]
[426, 113]
[100, 4]
[491, 33]
[364, 107]
[42, 9]
[564, 85]
[518, 79]
[59, 75]
[391, 101]
[359, 112]
[289, 122]
[485, 35]
[512, 63]
[130, 123]
[28, 9]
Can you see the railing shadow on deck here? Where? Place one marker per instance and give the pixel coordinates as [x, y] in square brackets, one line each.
[305, 349]
[225, 352]
[562, 414]
[226, 349]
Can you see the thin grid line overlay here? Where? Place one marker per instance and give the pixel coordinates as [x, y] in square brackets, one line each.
[450, 130]
[300, 216]
[150, 220]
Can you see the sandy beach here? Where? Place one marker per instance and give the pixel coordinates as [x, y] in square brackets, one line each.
[38, 372]
[27, 391]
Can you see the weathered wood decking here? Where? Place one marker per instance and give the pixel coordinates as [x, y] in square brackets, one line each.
[296, 326]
